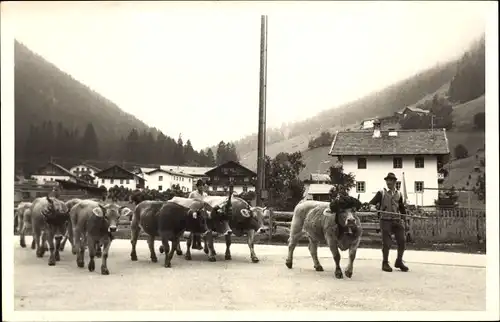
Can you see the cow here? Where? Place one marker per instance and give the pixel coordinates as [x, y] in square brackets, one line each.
[94, 223]
[243, 219]
[335, 222]
[23, 216]
[49, 221]
[69, 232]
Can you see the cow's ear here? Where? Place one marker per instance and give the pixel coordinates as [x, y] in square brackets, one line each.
[125, 211]
[98, 211]
[246, 213]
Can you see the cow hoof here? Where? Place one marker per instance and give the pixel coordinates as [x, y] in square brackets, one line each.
[319, 268]
[289, 264]
[104, 271]
[133, 257]
[348, 274]
[33, 246]
[52, 262]
[228, 257]
[39, 254]
[168, 265]
[178, 252]
[255, 260]
[80, 264]
[205, 250]
[212, 259]
[161, 249]
[61, 249]
[23, 244]
[57, 257]
[91, 266]
[338, 274]
[187, 257]
[98, 255]
[154, 259]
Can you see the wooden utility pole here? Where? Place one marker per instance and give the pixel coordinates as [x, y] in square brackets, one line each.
[261, 147]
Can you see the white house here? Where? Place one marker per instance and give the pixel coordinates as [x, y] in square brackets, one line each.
[118, 176]
[194, 172]
[161, 179]
[85, 169]
[51, 172]
[370, 155]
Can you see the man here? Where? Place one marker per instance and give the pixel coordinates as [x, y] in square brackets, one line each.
[391, 200]
[198, 194]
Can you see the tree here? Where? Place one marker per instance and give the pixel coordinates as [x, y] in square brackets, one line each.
[342, 182]
[461, 152]
[282, 179]
[480, 188]
[210, 158]
[220, 156]
[132, 146]
[89, 143]
[480, 121]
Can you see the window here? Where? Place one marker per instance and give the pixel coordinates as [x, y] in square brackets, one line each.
[111, 181]
[214, 188]
[128, 181]
[397, 163]
[398, 185]
[160, 188]
[419, 162]
[419, 186]
[216, 178]
[360, 186]
[102, 180]
[121, 181]
[160, 178]
[245, 189]
[246, 179]
[361, 163]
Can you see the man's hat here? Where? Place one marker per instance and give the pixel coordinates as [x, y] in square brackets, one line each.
[391, 176]
[199, 183]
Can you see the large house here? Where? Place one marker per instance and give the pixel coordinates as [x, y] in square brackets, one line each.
[370, 155]
[51, 172]
[118, 176]
[161, 179]
[85, 171]
[232, 172]
[411, 111]
[194, 172]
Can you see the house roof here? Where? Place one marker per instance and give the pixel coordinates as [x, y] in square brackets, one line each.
[193, 171]
[407, 142]
[96, 169]
[414, 109]
[114, 172]
[169, 172]
[318, 189]
[63, 170]
[233, 163]
[319, 177]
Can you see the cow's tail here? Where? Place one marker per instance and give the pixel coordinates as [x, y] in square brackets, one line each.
[299, 216]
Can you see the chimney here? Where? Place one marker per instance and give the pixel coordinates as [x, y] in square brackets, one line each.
[376, 128]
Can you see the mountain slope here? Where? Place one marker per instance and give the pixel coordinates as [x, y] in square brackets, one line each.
[43, 92]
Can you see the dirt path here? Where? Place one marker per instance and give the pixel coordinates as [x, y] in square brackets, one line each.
[446, 282]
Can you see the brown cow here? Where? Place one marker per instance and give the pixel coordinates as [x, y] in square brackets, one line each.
[94, 223]
[23, 215]
[334, 222]
[49, 221]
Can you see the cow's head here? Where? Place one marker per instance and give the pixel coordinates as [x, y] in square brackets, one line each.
[111, 214]
[220, 216]
[255, 217]
[56, 214]
[345, 208]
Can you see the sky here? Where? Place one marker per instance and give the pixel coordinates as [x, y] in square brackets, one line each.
[193, 68]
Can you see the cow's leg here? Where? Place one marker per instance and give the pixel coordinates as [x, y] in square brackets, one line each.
[210, 244]
[21, 230]
[79, 248]
[205, 245]
[313, 249]
[98, 250]
[134, 236]
[43, 243]
[170, 254]
[91, 242]
[227, 256]
[57, 256]
[50, 241]
[166, 248]
[178, 250]
[106, 243]
[352, 256]
[37, 239]
[332, 243]
[292, 243]
[151, 244]
[250, 241]
[189, 241]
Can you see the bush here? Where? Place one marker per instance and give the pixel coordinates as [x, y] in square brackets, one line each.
[461, 152]
[480, 121]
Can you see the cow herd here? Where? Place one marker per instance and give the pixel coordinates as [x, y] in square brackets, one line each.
[90, 224]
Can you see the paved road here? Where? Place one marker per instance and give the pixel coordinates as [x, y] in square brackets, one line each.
[437, 281]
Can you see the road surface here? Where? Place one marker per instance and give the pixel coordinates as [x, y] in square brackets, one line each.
[436, 281]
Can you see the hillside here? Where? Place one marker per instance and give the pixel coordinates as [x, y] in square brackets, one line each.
[43, 93]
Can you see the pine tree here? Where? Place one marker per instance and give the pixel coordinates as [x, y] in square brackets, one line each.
[89, 143]
[210, 158]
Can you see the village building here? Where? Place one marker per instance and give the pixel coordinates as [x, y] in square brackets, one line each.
[50, 172]
[371, 154]
[161, 179]
[411, 111]
[85, 171]
[240, 177]
[195, 173]
[118, 176]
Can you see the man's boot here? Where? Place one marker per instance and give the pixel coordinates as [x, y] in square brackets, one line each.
[399, 264]
[386, 267]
